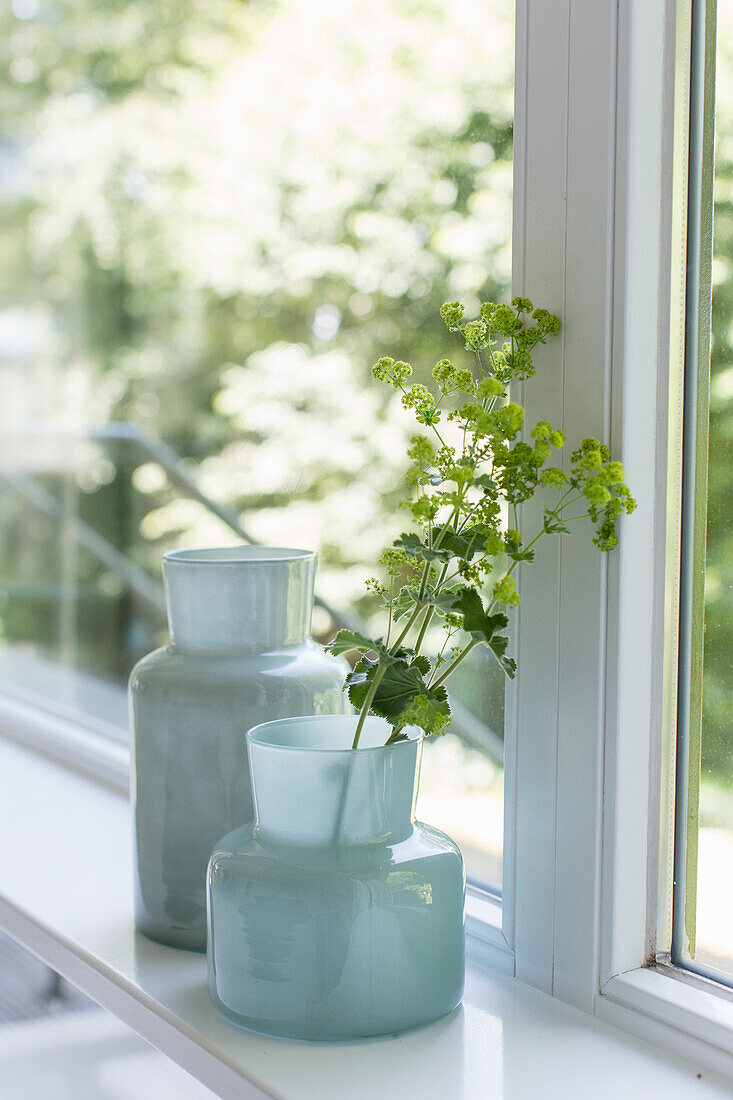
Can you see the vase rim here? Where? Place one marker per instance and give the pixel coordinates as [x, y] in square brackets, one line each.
[237, 555]
[257, 735]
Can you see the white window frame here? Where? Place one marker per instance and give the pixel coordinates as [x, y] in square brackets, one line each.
[601, 160]
[599, 165]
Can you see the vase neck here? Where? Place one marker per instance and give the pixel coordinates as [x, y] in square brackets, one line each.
[248, 598]
[332, 796]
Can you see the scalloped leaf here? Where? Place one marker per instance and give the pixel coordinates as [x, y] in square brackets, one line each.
[348, 640]
[402, 696]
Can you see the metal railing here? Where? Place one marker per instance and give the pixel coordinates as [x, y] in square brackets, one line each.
[467, 725]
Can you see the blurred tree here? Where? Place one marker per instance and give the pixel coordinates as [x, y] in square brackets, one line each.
[717, 743]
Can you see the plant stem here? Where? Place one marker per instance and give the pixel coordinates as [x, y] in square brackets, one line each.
[425, 623]
[366, 705]
[408, 628]
[454, 664]
[391, 602]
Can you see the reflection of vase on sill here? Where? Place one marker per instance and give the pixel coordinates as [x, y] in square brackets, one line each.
[240, 653]
[335, 915]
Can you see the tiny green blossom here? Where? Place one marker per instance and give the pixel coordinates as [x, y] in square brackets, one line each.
[419, 398]
[443, 372]
[421, 450]
[542, 430]
[504, 320]
[489, 387]
[554, 477]
[465, 486]
[509, 419]
[424, 508]
[387, 370]
[596, 492]
[475, 334]
[464, 380]
[614, 473]
[452, 314]
[394, 560]
[494, 544]
[548, 322]
[505, 591]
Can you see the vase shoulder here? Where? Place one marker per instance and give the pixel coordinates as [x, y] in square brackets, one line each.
[190, 712]
[248, 843]
[169, 664]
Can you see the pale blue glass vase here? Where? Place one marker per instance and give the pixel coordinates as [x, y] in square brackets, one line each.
[335, 915]
[240, 653]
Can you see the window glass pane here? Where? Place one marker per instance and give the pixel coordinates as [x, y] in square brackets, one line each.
[715, 856]
[216, 216]
[713, 901]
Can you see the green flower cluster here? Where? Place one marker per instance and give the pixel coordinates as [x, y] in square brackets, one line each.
[387, 370]
[601, 481]
[452, 314]
[419, 398]
[450, 378]
[468, 474]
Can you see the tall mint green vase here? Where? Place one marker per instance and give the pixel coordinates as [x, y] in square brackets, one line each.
[335, 914]
[240, 652]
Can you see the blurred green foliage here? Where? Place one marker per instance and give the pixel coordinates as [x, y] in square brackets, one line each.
[717, 739]
[215, 216]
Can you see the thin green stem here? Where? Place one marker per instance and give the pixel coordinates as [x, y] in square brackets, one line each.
[391, 604]
[430, 611]
[453, 664]
[366, 705]
[408, 628]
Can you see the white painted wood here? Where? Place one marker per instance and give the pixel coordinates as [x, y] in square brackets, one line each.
[648, 353]
[675, 1010]
[86, 750]
[65, 891]
[595, 239]
[538, 268]
[564, 260]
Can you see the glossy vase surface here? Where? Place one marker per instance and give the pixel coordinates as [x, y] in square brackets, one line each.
[239, 653]
[335, 914]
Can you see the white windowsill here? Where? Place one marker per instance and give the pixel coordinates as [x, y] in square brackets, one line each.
[65, 892]
[675, 1009]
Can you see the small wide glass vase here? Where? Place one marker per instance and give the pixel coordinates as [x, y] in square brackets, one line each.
[335, 914]
[240, 652]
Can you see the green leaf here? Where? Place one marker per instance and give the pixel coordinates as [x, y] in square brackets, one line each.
[413, 545]
[464, 545]
[487, 483]
[403, 603]
[422, 664]
[498, 646]
[346, 640]
[402, 696]
[476, 622]
[429, 710]
[453, 544]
